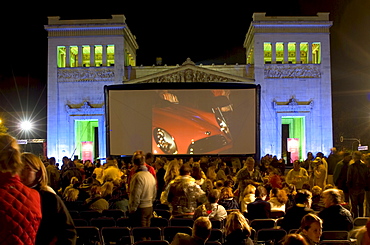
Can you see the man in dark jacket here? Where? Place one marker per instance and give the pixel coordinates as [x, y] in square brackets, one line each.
[357, 183]
[335, 217]
[259, 209]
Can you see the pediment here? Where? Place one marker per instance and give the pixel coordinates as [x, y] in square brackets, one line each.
[188, 72]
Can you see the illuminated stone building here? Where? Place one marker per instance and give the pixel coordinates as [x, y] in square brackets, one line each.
[289, 57]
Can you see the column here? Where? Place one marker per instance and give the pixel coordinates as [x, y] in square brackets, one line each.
[92, 55]
[273, 52]
[79, 56]
[286, 54]
[68, 56]
[298, 53]
[104, 55]
[309, 52]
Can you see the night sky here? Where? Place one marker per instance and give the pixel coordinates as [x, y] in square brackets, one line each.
[206, 32]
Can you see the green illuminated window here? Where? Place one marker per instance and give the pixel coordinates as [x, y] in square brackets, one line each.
[61, 56]
[292, 52]
[316, 53]
[110, 55]
[86, 55]
[98, 55]
[279, 52]
[267, 49]
[73, 55]
[304, 52]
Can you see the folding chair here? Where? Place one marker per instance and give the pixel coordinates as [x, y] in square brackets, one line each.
[276, 214]
[216, 235]
[123, 222]
[334, 235]
[103, 222]
[142, 233]
[181, 222]
[116, 235]
[80, 222]
[360, 221]
[217, 224]
[272, 235]
[114, 213]
[74, 214]
[159, 222]
[88, 235]
[258, 224]
[169, 232]
[89, 214]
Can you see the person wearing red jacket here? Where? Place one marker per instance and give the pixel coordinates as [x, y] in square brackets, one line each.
[20, 206]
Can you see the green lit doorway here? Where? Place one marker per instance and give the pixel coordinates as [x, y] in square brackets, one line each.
[86, 131]
[293, 127]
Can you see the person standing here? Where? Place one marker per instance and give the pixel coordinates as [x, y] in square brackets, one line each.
[340, 175]
[143, 188]
[357, 183]
[53, 175]
[20, 206]
[247, 174]
[297, 176]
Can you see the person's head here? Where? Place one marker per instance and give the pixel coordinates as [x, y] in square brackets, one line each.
[226, 192]
[138, 159]
[309, 155]
[71, 195]
[356, 155]
[296, 165]
[294, 239]
[52, 161]
[159, 163]
[331, 197]
[347, 157]
[202, 228]
[235, 221]
[311, 226]
[303, 197]
[280, 195]
[317, 161]
[10, 156]
[185, 169]
[149, 158]
[249, 164]
[250, 189]
[107, 188]
[261, 192]
[34, 171]
[213, 196]
[95, 191]
[316, 190]
[74, 180]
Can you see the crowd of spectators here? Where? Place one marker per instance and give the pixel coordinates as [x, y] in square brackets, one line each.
[317, 194]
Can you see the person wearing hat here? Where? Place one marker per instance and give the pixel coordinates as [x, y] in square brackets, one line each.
[319, 173]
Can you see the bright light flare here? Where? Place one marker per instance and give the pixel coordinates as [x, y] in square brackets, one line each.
[26, 125]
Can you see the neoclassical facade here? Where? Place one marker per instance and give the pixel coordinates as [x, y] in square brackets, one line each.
[289, 57]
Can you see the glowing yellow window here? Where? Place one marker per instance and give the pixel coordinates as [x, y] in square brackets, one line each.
[98, 55]
[86, 55]
[291, 52]
[267, 52]
[316, 53]
[304, 52]
[61, 56]
[110, 55]
[73, 56]
[279, 52]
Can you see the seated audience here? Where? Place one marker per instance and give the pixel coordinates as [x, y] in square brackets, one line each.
[293, 216]
[211, 209]
[237, 230]
[317, 202]
[248, 197]
[201, 231]
[96, 201]
[335, 216]
[259, 209]
[278, 199]
[294, 239]
[227, 199]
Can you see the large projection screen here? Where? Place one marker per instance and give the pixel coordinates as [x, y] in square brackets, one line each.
[188, 118]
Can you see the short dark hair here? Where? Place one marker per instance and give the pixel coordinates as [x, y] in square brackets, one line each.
[202, 228]
[302, 196]
[214, 195]
[261, 191]
[185, 169]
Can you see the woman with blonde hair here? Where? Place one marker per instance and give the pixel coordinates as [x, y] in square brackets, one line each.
[237, 229]
[172, 171]
[248, 197]
[56, 223]
[20, 206]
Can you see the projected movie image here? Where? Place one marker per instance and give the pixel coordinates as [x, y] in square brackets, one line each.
[183, 124]
[182, 121]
